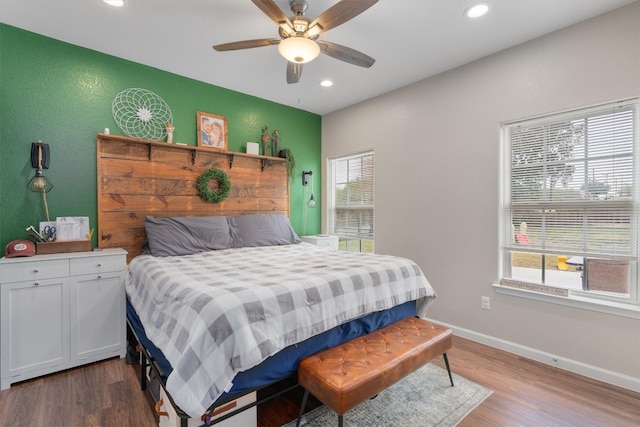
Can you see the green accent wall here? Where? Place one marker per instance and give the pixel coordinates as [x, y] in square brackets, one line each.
[61, 94]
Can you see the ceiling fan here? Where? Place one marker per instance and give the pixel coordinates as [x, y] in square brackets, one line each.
[298, 41]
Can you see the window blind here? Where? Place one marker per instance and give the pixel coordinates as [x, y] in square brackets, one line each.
[353, 196]
[572, 183]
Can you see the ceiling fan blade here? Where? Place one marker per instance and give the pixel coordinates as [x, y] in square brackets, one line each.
[269, 8]
[294, 71]
[340, 13]
[246, 44]
[345, 54]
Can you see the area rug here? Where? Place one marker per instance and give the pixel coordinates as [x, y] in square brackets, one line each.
[423, 399]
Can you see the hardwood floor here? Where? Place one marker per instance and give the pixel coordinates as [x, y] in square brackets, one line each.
[528, 393]
[525, 393]
[101, 394]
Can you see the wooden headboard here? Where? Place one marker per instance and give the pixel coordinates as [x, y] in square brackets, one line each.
[138, 177]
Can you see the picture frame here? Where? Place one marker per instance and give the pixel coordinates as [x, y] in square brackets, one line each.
[212, 131]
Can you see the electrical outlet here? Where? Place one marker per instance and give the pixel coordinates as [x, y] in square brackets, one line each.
[486, 303]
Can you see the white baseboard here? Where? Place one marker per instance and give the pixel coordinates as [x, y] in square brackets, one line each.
[604, 375]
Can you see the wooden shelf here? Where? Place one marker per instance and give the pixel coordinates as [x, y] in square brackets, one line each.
[192, 148]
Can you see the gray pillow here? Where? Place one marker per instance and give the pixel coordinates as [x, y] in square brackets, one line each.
[262, 230]
[187, 235]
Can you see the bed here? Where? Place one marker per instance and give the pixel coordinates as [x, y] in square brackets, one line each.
[228, 303]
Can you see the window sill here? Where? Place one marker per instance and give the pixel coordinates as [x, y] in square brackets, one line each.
[609, 307]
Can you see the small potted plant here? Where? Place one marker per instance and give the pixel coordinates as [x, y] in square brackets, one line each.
[290, 164]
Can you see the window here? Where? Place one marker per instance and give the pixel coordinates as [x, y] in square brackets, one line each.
[570, 193]
[351, 201]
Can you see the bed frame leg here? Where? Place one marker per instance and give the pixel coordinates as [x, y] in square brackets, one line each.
[143, 371]
[446, 362]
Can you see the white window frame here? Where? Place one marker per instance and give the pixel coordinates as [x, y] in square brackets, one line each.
[331, 193]
[576, 298]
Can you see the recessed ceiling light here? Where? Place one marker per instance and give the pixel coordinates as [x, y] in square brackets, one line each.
[114, 3]
[326, 83]
[477, 10]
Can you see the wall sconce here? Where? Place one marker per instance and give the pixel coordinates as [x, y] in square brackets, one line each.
[39, 183]
[311, 203]
[306, 176]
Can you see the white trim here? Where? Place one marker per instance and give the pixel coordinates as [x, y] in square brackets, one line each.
[578, 111]
[351, 155]
[330, 206]
[592, 304]
[600, 374]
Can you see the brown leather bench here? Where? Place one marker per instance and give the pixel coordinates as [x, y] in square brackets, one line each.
[346, 375]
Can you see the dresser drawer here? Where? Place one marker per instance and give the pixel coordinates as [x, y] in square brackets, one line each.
[33, 270]
[97, 264]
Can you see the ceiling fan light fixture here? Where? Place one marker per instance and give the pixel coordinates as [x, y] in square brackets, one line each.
[298, 49]
[286, 29]
[314, 31]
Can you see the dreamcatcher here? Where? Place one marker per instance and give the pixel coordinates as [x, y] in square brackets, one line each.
[141, 113]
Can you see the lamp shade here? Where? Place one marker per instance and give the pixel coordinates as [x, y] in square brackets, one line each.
[299, 49]
[39, 183]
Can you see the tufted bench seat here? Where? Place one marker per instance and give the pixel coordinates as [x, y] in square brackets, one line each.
[346, 375]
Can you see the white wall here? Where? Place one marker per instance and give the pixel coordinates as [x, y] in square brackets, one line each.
[437, 166]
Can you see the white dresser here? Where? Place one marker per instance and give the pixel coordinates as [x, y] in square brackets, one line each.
[322, 240]
[59, 311]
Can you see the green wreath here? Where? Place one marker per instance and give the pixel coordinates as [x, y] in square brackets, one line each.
[224, 185]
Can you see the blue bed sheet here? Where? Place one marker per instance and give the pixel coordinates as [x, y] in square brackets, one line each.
[285, 362]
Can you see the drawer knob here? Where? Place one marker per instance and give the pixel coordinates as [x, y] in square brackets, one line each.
[99, 265]
[36, 284]
[99, 276]
[35, 270]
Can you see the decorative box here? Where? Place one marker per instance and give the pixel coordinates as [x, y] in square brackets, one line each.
[63, 246]
[253, 148]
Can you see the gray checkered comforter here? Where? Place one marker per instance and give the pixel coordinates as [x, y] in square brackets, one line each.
[217, 313]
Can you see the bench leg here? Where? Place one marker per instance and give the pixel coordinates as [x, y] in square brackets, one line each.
[446, 362]
[302, 406]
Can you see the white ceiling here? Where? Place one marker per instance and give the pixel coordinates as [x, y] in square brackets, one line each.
[410, 40]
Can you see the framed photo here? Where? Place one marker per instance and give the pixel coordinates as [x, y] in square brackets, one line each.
[212, 131]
